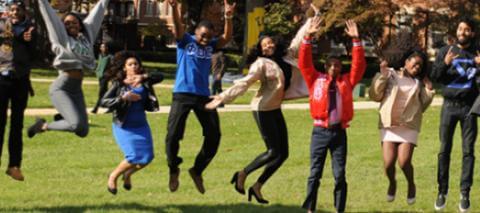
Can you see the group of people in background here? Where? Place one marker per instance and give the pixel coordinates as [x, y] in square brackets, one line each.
[402, 86]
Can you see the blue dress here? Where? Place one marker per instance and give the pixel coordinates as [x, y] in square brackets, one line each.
[134, 136]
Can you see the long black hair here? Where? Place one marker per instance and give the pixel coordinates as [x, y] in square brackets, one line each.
[115, 71]
[280, 52]
[403, 47]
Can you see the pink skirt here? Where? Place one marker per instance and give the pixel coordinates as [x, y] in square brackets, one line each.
[399, 134]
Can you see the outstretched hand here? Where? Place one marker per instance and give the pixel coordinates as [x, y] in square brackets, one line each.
[315, 25]
[229, 8]
[352, 29]
[214, 103]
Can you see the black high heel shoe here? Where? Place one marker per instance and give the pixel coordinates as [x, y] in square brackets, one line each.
[259, 199]
[234, 182]
[111, 190]
[126, 186]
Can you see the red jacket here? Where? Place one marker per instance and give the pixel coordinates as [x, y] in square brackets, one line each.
[318, 82]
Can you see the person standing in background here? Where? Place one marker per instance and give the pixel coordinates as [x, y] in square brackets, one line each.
[219, 66]
[104, 58]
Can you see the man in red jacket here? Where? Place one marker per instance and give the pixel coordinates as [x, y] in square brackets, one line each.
[331, 107]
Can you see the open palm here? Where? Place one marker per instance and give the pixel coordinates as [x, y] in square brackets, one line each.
[351, 29]
[315, 25]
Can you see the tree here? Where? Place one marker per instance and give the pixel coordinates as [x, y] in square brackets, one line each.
[278, 19]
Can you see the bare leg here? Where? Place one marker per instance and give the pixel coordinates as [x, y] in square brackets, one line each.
[121, 168]
[405, 153]
[389, 157]
[128, 174]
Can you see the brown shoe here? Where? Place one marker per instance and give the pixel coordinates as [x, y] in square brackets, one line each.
[15, 173]
[173, 183]
[198, 180]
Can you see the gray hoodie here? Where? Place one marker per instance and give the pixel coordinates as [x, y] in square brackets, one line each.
[73, 53]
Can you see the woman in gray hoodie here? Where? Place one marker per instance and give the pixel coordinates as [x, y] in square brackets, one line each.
[72, 42]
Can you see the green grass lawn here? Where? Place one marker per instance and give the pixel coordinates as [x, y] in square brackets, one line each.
[65, 173]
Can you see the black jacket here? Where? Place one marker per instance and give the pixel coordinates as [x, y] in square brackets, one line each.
[115, 104]
[23, 51]
[459, 77]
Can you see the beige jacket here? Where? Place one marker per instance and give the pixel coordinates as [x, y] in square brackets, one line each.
[271, 92]
[384, 89]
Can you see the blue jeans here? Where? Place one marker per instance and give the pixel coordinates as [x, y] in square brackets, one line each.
[335, 140]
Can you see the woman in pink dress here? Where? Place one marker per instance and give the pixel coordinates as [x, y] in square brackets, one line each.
[404, 93]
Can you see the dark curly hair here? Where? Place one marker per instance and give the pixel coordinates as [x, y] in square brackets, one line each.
[403, 47]
[280, 52]
[469, 21]
[115, 71]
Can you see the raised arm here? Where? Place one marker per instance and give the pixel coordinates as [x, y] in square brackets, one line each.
[179, 29]
[305, 61]
[94, 20]
[359, 64]
[379, 83]
[227, 34]
[57, 33]
[297, 40]
[294, 47]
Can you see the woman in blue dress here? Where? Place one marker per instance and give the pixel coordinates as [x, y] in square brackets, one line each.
[130, 95]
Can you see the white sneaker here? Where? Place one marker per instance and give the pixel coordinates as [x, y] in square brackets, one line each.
[390, 198]
[411, 201]
[441, 202]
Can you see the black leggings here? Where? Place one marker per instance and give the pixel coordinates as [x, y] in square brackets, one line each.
[274, 132]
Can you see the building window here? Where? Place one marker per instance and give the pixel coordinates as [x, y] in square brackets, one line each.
[131, 10]
[151, 6]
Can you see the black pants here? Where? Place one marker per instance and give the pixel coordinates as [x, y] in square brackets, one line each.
[216, 87]
[181, 105]
[274, 133]
[15, 92]
[323, 140]
[452, 113]
[103, 87]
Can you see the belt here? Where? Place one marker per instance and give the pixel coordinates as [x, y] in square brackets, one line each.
[335, 126]
[458, 103]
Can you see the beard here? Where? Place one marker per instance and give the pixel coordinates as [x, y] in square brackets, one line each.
[465, 41]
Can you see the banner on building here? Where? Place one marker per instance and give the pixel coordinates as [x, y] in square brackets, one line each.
[255, 13]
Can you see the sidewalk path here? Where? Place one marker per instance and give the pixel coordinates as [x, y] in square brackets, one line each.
[242, 108]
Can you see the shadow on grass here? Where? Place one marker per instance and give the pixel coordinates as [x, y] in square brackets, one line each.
[128, 207]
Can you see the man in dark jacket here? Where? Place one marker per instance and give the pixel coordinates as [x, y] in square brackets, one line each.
[455, 67]
[16, 39]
